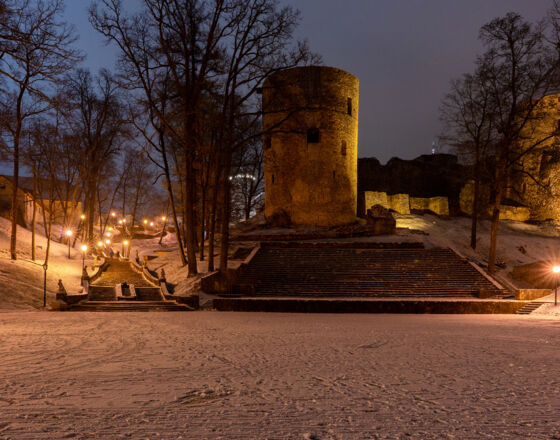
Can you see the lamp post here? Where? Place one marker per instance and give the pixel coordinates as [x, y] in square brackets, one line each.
[124, 248]
[84, 249]
[45, 267]
[556, 270]
[81, 226]
[68, 234]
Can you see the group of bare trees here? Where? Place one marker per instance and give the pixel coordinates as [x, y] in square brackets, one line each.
[194, 69]
[493, 116]
[35, 52]
[182, 108]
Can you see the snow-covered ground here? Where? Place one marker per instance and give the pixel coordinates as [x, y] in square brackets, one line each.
[212, 375]
[21, 281]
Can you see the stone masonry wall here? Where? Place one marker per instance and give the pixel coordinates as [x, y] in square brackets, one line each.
[310, 121]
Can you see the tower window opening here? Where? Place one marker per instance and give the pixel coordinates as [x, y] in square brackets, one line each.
[343, 148]
[349, 106]
[313, 136]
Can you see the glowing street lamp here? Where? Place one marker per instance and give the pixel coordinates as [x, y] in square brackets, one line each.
[108, 234]
[120, 222]
[556, 270]
[152, 224]
[84, 249]
[163, 218]
[113, 214]
[83, 217]
[124, 247]
[145, 221]
[99, 244]
[107, 242]
[68, 234]
[110, 228]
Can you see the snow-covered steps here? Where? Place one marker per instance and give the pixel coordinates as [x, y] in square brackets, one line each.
[148, 294]
[120, 272]
[529, 308]
[341, 270]
[130, 306]
[102, 293]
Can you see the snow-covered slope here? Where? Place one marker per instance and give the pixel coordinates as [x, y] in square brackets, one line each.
[21, 281]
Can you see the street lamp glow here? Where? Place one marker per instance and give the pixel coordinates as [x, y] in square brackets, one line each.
[125, 242]
[124, 220]
[84, 248]
[108, 234]
[120, 222]
[113, 214]
[110, 228]
[151, 223]
[163, 218]
[556, 269]
[83, 217]
[107, 242]
[99, 243]
[145, 221]
[68, 233]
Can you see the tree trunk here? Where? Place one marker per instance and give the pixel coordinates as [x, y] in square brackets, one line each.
[202, 222]
[190, 221]
[475, 209]
[226, 212]
[34, 215]
[17, 136]
[212, 219]
[500, 186]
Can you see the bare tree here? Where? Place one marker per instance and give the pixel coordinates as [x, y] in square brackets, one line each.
[467, 114]
[520, 65]
[260, 44]
[99, 118]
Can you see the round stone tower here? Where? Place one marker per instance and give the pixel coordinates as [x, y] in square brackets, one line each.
[310, 121]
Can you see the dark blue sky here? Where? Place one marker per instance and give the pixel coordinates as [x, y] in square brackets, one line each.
[403, 51]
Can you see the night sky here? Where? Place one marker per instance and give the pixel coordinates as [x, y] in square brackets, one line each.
[404, 52]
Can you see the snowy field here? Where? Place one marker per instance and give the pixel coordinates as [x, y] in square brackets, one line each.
[278, 376]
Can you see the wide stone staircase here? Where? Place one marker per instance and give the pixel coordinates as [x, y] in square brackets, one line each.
[300, 269]
[102, 295]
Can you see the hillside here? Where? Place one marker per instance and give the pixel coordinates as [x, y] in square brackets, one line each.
[21, 280]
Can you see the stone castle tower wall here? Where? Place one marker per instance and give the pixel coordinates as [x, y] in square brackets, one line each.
[310, 121]
[538, 186]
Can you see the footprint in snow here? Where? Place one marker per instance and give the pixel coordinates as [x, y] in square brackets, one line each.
[374, 345]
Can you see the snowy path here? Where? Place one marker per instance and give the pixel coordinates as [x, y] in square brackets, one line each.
[278, 376]
[119, 272]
